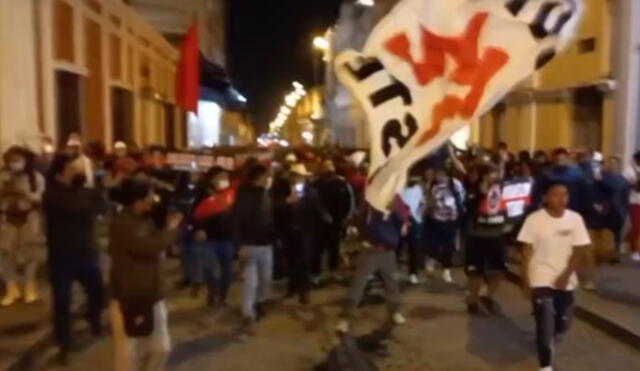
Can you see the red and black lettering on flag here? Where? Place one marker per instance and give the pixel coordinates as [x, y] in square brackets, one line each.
[431, 67]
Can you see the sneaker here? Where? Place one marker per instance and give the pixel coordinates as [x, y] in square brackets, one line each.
[446, 276]
[343, 327]
[589, 286]
[547, 368]
[399, 319]
[12, 295]
[635, 257]
[413, 279]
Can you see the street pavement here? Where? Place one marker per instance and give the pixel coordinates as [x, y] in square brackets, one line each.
[439, 336]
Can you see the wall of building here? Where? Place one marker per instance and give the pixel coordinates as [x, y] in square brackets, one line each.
[89, 66]
[551, 111]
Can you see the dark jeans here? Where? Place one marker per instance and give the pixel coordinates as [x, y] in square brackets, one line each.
[328, 239]
[63, 271]
[553, 312]
[217, 261]
[415, 246]
[298, 266]
[441, 239]
[189, 257]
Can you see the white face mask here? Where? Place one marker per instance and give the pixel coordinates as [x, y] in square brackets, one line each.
[269, 183]
[17, 166]
[222, 184]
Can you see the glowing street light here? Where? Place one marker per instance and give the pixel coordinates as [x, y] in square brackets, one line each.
[367, 3]
[321, 43]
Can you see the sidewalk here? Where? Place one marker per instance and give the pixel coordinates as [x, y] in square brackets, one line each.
[615, 306]
[24, 331]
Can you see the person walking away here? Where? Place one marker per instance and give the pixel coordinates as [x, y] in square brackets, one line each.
[615, 181]
[486, 249]
[632, 173]
[138, 312]
[554, 241]
[382, 234]
[254, 233]
[413, 197]
[597, 218]
[213, 222]
[337, 198]
[21, 189]
[444, 214]
[70, 213]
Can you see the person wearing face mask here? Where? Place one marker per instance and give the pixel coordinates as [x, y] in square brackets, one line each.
[74, 148]
[21, 189]
[214, 234]
[254, 233]
[70, 212]
[138, 312]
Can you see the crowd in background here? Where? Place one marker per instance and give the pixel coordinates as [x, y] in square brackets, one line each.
[281, 219]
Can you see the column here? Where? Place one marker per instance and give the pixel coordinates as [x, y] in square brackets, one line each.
[18, 98]
[626, 70]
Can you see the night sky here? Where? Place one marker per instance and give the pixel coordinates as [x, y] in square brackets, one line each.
[269, 46]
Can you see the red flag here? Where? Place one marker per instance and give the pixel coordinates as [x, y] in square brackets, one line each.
[188, 84]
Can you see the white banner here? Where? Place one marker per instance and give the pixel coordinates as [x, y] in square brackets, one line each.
[430, 67]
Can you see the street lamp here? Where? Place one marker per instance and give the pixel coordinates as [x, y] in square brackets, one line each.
[321, 43]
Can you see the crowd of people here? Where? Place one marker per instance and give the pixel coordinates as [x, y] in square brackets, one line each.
[287, 217]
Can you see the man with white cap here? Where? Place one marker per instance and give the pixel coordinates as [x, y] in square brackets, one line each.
[74, 147]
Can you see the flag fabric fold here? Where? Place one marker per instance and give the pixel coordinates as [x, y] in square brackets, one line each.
[188, 84]
[431, 67]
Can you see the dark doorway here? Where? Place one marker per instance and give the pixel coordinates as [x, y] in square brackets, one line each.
[122, 114]
[587, 111]
[69, 107]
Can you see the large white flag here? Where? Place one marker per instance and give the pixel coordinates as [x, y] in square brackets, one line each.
[431, 67]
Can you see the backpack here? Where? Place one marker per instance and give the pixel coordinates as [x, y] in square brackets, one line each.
[347, 356]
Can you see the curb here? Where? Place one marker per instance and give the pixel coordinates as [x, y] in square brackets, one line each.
[596, 320]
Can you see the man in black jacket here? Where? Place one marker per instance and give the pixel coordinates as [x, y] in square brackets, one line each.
[254, 232]
[337, 198]
[70, 210]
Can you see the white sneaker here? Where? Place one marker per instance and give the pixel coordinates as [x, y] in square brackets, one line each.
[343, 327]
[399, 319]
[635, 257]
[413, 279]
[446, 276]
[547, 369]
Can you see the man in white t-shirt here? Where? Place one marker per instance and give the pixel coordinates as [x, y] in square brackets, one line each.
[633, 177]
[554, 239]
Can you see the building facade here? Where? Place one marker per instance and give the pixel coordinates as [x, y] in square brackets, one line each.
[219, 123]
[92, 67]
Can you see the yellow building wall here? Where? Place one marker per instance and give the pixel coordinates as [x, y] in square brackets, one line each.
[574, 66]
[518, 127]
[554, 125]
[608, 127]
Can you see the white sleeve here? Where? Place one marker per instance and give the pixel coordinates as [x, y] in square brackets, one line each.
[526, 234]
[580, 235]
[630, 174]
